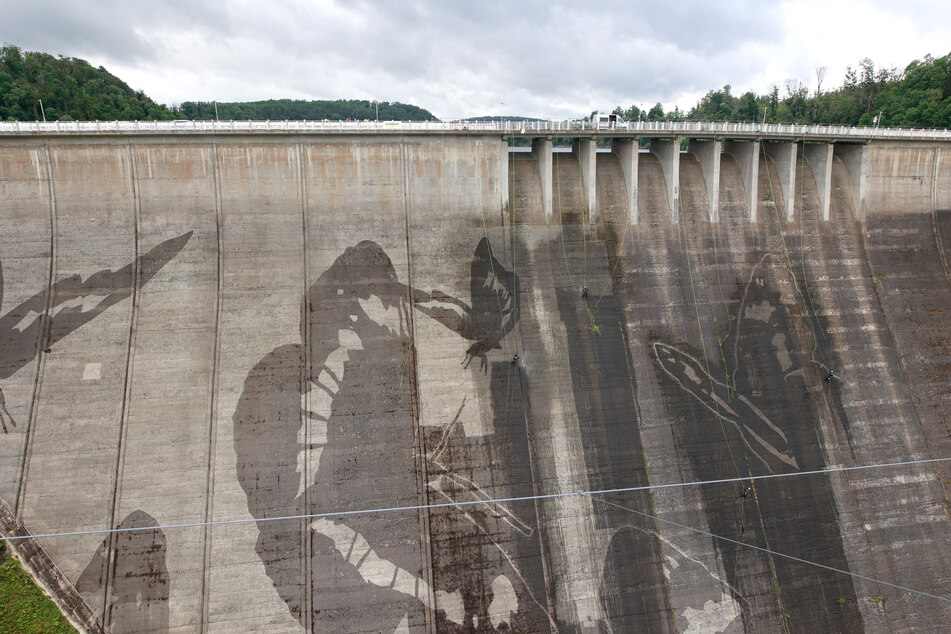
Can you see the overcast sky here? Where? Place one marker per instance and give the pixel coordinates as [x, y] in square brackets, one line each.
[550, 58]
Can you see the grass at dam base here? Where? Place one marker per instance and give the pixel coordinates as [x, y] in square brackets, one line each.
[23, 606]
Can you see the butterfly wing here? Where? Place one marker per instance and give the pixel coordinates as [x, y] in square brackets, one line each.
[494, 295]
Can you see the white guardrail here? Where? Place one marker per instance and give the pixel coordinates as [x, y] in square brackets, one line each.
[508, 128]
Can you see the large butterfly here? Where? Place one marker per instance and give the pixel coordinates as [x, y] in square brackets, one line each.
[494, 309]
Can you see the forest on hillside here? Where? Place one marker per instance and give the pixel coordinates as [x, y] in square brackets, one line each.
[917, 97]
[69, 89]
[35, 85]
[299, 110]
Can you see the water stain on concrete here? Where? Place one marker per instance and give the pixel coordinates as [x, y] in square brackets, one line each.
[139, 579]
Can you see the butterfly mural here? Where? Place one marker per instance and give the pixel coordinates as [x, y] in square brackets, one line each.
[311, 437]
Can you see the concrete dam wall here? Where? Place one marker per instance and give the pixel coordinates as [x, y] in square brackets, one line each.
[421, 383]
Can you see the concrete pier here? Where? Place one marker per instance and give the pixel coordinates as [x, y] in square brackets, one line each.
[747, 155]
[708, 153]
[541, 149]
[783, 155]
[626, 151]
[855, 159]
[668, 153]
[819, 157]
[585, 150]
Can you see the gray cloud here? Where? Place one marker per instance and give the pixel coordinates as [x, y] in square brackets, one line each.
[113, 29]
[456, 58]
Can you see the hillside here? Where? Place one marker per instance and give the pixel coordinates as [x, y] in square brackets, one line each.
[69, 88]
[917, 97]
[299, 110]
[72, 89]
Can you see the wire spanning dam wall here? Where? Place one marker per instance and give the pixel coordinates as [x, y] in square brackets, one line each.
[424, 342]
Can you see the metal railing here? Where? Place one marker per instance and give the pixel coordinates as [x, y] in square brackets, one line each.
[699, 129]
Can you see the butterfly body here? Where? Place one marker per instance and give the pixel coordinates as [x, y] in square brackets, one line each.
[494, 308]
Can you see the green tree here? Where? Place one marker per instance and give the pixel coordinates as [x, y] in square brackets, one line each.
[748, 108]
[717, 105]
[633, 113]
[299, 110]
[69, 88]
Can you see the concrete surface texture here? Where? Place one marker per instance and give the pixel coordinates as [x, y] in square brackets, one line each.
[422, 343]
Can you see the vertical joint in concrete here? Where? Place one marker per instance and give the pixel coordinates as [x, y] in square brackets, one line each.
[541, 150]
[586, 151]
[626, 152]
[855, 158]
[668, 153]
[747, 155]
[783, 155]
[819, 157]
[708, 155]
